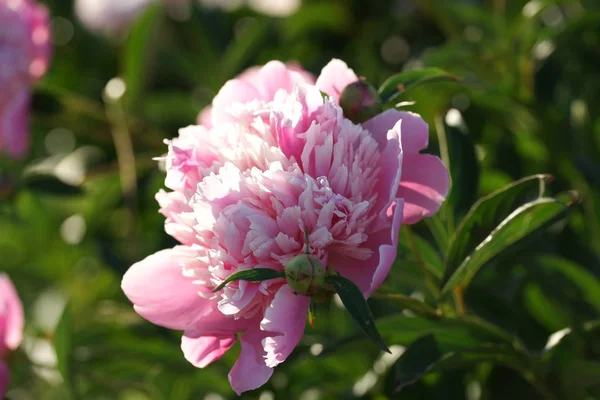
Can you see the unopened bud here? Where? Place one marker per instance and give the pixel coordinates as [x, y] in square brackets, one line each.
[360, 101]
[305, 274]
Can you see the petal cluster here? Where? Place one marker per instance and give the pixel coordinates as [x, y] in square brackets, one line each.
[24, 55]
[11, 326]
[272, 162]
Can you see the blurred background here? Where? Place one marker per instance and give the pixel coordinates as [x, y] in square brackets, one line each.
[80, 208]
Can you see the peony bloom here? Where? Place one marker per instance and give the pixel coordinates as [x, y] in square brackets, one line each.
[24, 56]
[11, 326]
[271, 165]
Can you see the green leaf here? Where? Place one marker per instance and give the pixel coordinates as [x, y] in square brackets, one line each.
[408, 303]
[398, 84]
[357, 306]
[252, 275]
[413, 248]
[431, 350]
[530, 218]
[62, 344]
[485, 215]
[139, 52]
[50, 184]
[587, 283]
[464, 169]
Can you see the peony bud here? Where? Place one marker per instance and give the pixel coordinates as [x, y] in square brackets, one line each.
[305, 274]
[360, 101]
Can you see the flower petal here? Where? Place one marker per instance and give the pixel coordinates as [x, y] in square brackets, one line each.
[250, 371]
[334, 77]
[285, 315]
[415, 131]
[14, 125]
[11, 312]
[424, 186]
[369, 274]
[161, 294]
[202, 350]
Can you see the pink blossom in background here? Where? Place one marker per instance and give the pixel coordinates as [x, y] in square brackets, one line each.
[11, 326]
[24, 56]
[276, 158]
[113, 17]
[109, 17]
[272, 8]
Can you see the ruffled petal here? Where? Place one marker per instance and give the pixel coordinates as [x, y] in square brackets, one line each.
[286, 315]
[415, 131]
[250, 371]
[424, 186]
[202, 350]
[369, 274]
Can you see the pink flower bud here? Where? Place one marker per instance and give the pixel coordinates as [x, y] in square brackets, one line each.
[360, 101]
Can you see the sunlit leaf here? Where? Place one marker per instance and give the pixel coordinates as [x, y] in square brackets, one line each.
[486, 214]
[523, 222]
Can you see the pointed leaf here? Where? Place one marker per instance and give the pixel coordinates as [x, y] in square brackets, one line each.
[486, 214]
[357, 306]
[408, 303]
[464, 168]
[440, 351]
[396, 85]
[251, 275]
[62, 344]
[140, 51]
[528, 219]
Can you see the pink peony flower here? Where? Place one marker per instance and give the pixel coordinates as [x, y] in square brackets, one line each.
[24, 56]
[271, 164]
[11, 326]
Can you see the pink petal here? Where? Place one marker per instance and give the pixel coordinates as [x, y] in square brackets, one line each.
[415, 131]
[14, 125]
[11, 313]
[250, 371]
[423, 187]
[285, 315]
[272, 77]
[392, 155]
[369, 274]
[4, 379]
[334, 77]
[205, 117]
[388, 248]
[161, 294]
[202, 350]
[235, 91]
